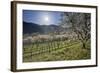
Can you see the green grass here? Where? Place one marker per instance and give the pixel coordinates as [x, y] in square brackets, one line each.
[46, 52]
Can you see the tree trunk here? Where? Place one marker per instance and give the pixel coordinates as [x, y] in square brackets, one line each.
[83, 45]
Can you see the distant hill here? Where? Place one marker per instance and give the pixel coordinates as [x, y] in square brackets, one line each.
[29, 28]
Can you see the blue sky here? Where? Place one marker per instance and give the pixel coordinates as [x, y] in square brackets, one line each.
[42, 17]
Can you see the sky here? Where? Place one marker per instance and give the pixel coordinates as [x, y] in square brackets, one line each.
[42, 17]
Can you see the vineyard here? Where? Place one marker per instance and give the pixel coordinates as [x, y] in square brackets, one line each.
[55, 50]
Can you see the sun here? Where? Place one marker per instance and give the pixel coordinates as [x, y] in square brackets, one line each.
[46, 18]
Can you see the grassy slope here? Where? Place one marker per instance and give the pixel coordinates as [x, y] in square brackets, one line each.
[69, 51]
